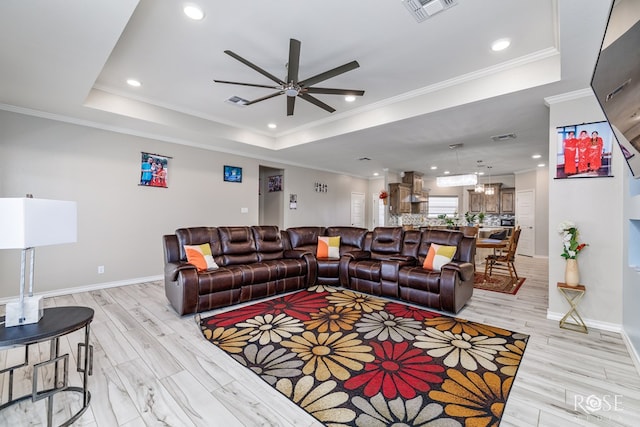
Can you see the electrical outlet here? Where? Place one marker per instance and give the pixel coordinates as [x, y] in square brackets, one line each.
[101, 269]
[244, 210]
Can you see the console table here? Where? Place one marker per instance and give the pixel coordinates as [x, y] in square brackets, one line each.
[573, 295]
[55, 323]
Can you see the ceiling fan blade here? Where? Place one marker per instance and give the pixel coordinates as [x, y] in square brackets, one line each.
[291, 103]
[329, 91]
[273, 95]
[328, 74]
[317, 102]
[255, 67]
[294, 61]
[246, 84]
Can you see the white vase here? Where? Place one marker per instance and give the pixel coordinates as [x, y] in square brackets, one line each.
[571, 273]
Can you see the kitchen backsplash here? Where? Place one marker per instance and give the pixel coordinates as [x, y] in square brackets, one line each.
[422, 220]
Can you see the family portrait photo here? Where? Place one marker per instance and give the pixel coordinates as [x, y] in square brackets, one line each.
[584, 150]
[154, 170]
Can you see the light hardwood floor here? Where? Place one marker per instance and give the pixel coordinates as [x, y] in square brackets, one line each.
[152, 367]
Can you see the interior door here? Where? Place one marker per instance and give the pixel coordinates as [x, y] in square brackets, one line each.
[357, 210]
[525, 218]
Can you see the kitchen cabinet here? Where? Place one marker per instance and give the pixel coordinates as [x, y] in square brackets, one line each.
[476, 202]
[414, 179]
[399, 198]
[492, 201]
[507, 201]
[483, 202]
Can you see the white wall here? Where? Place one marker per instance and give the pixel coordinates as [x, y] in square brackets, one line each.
[596, 206]
[631, 261]
[120, 223]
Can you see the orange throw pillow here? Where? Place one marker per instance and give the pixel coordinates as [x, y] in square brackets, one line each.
[438, 256]
[200, 256]
[328, 247]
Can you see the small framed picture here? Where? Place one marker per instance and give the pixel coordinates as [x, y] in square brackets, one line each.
[275, 183]
[232, 173]
[154, 170]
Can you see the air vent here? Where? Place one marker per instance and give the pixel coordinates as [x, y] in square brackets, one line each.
[456, 146]
[236, 100]
[505, 137]
[424, 9]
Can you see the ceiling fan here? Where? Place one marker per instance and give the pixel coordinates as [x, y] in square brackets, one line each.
[293, 87]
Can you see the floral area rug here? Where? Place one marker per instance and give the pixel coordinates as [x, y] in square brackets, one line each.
[497, 283]
[351, 359]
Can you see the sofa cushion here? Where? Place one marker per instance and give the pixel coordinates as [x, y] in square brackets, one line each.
[438, 256]
[268, 242]
[198, 236]
[386, 242]
[238, 245]
[328, 247]
[305, 238]
[366, 269]
[200, 256]
[351, 238]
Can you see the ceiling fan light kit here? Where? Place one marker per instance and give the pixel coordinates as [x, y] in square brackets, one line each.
[294, 88]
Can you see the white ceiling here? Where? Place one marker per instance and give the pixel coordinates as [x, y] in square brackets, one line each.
[427, 85]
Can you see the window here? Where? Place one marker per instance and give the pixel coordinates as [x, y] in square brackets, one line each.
[439, 205]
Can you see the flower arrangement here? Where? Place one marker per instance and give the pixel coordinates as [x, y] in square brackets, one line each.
[383, 194]
[570, 245]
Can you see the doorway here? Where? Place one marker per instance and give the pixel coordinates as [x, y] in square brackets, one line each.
[357, 210]
[270, 198]
[525, 218]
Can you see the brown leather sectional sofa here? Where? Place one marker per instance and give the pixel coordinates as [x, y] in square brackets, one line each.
[261, 261]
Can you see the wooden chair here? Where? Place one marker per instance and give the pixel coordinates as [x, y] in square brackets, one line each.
[505, 260]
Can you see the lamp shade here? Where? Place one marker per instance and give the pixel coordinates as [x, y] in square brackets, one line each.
[28, 223]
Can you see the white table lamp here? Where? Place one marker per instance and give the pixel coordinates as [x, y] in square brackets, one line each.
[26, 223]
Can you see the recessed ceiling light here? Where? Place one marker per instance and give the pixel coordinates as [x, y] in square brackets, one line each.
[500, 44]
[480, 173]
[541, 165]
[272, 125]
[193, 12]
[536, 156]
[134, 82]
[447, 172]
[376, 174]
[349, 98]
[434, 168]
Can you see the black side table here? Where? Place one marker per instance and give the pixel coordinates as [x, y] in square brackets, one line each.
[56, 322]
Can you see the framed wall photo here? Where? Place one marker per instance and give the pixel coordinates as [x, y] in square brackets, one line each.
[154, 170]
[232, 173]
[274, 183]
[584, 150]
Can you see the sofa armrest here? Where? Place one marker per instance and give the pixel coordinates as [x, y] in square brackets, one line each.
[181, 287]
[296, 253]
[465, 269]
[357, 255]
[404, 259]
[389, 268]
[171, 269]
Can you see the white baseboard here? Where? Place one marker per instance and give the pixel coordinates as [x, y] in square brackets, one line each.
[633, 352]
[88, 288]
[605, 326]
[596, 324]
